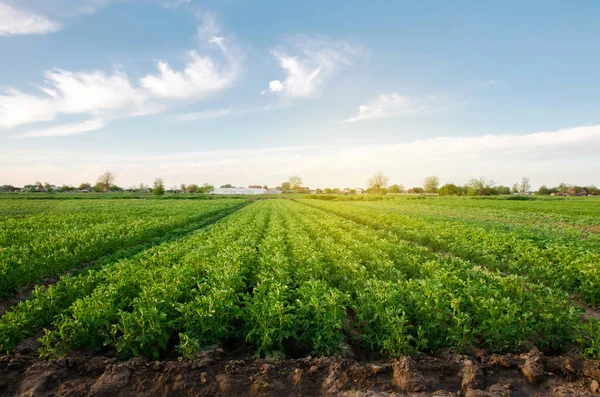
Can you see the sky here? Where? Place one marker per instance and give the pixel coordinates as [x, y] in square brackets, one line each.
[251, 92]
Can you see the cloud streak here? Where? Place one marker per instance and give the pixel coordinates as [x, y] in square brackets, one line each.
[396, 105]
[308, 63]
[546, 157]
[15, 21]
[217, 113]
[110, 95]
[64, 130]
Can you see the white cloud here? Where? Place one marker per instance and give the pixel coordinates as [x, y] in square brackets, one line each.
[15, 21]
[64, 92]
[106, 96]
[199, 78]
[275, 86]
[64, 130]
[308, 64]
[546, 157]
[396, 105]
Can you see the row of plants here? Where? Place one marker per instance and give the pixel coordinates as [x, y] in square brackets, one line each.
[442, 301]
[287, 277]
[570, 265]
[55, 239]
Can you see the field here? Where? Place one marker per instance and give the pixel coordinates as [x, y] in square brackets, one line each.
[488, 288]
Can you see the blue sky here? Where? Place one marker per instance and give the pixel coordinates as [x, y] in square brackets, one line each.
[246, 92]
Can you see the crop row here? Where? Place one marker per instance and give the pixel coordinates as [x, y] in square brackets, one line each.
[568, 265]
[285, 277]
[48, 243]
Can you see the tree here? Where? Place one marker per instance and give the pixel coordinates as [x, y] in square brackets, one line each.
[417, 189]
[159, 187]
[286, 187]
[396, 189]
[543, 191]
[479, 187]
[85, 186]
[142, 187]
[524, 186]
[431, 183]
[206, 188]
[227, 186]
[99, 187]
[515, 188]
[107, 179]
[183, 188]
[450, 189]
[295, 182]
[192, 188]
[378, 182]
[564, 188]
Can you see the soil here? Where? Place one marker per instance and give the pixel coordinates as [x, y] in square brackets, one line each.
[218, 372]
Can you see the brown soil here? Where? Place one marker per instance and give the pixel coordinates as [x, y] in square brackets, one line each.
[216, 372]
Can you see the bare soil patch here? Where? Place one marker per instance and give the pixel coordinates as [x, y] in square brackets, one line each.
[217, 372]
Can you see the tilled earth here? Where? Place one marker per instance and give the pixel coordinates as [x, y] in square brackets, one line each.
[216, 372]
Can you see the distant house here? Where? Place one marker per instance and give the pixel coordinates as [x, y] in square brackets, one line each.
[255, 187]
[359, 191]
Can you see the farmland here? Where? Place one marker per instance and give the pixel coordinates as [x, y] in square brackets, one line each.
[295, 278]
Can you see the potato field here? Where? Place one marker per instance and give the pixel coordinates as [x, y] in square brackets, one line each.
[300, 278]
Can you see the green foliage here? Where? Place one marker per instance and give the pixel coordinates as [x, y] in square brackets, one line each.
[395, 276]
[158, 188]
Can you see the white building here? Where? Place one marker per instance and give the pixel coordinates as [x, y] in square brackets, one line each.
[242, 190]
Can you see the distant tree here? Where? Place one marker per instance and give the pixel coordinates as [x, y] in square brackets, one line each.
[65, 188]
[515, 188]
[142, 187]
[336, 190]
[524, 186]
[543, 191]
[378, 182]
[115, 188]
[416, 189]
[396, 189]
[319, 191]
[431, 184]
[39, 186]
[295, 182]
[479, 187]
[227, 186]
[450, 189]
[502, 190]
[99, 187]
[47, 186]
[85, 186]
[192, 188]
[593, 190]
[107, 179]
[158, 188]
[206, 188]
[564, 188]
[265, 187]
[183, 188]
[328, 190]
[286, 187]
